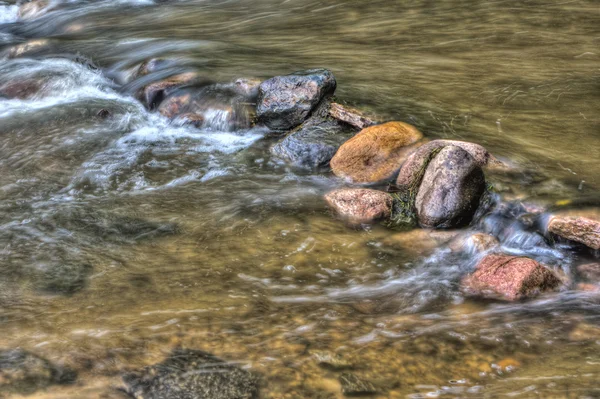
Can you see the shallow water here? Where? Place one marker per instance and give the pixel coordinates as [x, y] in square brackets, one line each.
[123, 237]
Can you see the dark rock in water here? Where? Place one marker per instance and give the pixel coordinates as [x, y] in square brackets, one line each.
[313, 144]
[284, 102]
[450, 191]
[360, 205]
[62, 277]
[510, 278]
[217, 107]
[355, 386]
[376, 153]
[190, 374]
[22, 372]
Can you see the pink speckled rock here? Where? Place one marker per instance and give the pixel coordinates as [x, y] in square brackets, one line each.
[360, 205]
[510, 278]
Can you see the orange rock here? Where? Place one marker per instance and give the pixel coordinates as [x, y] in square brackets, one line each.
[376, 153]
[508, 363]
[579, 229]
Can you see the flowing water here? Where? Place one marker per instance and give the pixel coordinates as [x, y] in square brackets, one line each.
[124, 235]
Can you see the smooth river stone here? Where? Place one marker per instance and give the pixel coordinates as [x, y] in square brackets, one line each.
[360, 205]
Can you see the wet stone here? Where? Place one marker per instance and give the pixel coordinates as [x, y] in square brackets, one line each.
[313, 144]
[590, 271]
[24, 373]
[284, 102]
[192, 374]
[332, 361]
[355, 386]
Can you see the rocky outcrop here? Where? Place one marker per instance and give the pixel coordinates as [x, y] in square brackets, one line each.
[582, 230]
[350, 116]
[360, 205]
[313, 144]
[284, 102]
[510, 278]
[450, 190]
[376, 153]
[191, 374]
[22, 372]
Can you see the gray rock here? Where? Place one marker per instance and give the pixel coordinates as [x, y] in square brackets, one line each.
[24, 373]
[313, 144]
[190, 374]
[284, 102]
[450, 191]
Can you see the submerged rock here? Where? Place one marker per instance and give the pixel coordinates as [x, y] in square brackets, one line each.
[579, 229]
[449, 193]
[510, 278]
[22, 89]
[376, 153]
[23, 372]
[360, 205]
[590, 271]
[154, 93]
[33, 9]
[216, 107]
[284, 102]
[191, 374]
[313, 144]
[474, 243]
[351, 116]
[354, 386]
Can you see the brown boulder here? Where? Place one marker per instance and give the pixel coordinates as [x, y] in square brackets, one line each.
[510, 278]
[579, 229]
[360, 205]
[376, 153]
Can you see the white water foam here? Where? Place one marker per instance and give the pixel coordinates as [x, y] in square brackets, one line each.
[9, 14]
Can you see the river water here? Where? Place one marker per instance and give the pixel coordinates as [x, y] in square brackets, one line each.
[123, 237]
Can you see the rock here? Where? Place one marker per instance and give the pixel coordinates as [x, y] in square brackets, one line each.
[413, 169]
[154, 93]
[24, 373]
[590, 271]
[351, 116]
[247, 87]
[376, 153]
[510, 278]
[33, 9]
[332, 361]
[64, 278]
[449, 193]
[474, 243]
[419, 242]
[215, 107]
[360, 205]
[313, 144]
[192, 374]
[22, 89]
[154, 65]
[585, 332]
[579, 229]
[353, 385]
[284, 102]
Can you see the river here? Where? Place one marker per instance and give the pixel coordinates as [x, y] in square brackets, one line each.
[126, 236]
